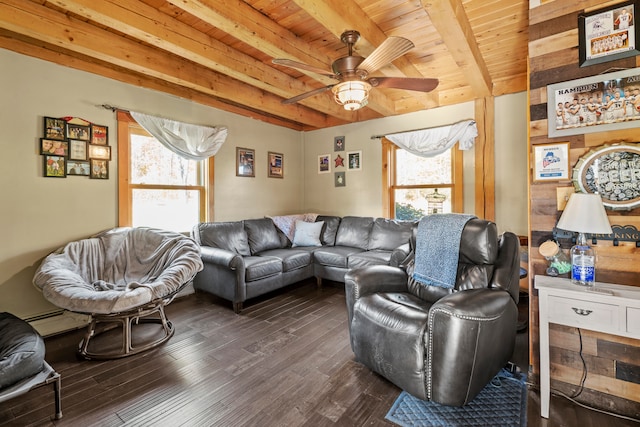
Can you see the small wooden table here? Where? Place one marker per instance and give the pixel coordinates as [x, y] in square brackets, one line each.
[608, 308]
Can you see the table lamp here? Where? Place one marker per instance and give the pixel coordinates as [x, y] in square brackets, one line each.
[584, 213]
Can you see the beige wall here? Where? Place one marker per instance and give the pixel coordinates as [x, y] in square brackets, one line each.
[40, 214]
[362, 194]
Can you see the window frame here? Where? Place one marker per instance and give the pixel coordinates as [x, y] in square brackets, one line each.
[128, 126]
[389, 184]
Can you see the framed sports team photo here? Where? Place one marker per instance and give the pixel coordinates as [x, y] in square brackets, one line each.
[551, 162]
[608, 34]
[599, 103]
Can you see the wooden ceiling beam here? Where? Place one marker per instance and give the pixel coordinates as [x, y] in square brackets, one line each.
[34, 49]
[450, 19]
[340, 15]
[149, 25]
[240, 20]
[41, 23]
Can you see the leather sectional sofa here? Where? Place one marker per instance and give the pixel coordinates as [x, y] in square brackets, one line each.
[248, 258]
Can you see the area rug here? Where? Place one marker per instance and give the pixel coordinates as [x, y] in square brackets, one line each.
[503, 402]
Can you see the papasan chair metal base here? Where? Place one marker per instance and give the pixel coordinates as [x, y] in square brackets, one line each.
[98, 341]
[123, 278]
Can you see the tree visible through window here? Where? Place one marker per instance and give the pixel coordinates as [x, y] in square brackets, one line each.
[416, 186]
[157, 187]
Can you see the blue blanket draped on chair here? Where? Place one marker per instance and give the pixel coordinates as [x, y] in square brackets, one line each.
[438, 249]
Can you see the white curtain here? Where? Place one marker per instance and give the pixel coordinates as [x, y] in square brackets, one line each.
[187, 140]
[437, 140]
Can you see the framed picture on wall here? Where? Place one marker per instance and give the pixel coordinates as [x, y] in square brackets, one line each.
[324, 163]
[551, 162]
[54, 166]
[54, 147]
[354, 160]
[99, 169]
[101, 152]
[600, 103]
[78, 132]
[77, 150]
[245, 162]
[99, 134]
[275, 165]
[608, 34]
[54, 128]
[78, 168]
[338, 143]
[340, 179]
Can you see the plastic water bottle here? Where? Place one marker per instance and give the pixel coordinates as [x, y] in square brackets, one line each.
[583, 259]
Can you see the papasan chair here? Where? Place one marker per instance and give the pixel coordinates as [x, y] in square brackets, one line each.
[123, 276]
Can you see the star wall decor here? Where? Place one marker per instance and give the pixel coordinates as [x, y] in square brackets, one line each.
[339, 161]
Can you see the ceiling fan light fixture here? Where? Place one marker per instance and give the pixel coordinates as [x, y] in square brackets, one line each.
[352, 95]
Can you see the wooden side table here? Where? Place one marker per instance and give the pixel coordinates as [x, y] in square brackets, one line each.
[608, 308]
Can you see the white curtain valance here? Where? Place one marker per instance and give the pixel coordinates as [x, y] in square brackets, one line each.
[190, 141]
[437, 140]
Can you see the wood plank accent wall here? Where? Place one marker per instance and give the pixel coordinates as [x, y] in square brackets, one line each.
[553, 58]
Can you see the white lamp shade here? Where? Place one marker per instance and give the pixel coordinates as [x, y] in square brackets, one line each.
[585, 213]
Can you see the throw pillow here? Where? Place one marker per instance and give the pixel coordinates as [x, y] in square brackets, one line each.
[307, 233]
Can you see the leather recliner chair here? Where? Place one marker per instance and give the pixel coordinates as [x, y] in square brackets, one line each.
[439, 344]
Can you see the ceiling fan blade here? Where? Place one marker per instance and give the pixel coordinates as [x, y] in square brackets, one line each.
[300, 66]
[408, 83]
[391, 49]
[306, 95]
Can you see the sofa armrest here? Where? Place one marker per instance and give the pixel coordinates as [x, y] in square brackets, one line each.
[223, 274]
[471, 337]
[221, 257]
[368, 280]
[399, 255]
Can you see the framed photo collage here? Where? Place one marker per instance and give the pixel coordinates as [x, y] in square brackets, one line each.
[72, 146]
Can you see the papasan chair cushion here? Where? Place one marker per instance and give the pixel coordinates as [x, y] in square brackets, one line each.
[118, 270]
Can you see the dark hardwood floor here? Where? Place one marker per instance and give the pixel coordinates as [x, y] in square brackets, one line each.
[285, 361]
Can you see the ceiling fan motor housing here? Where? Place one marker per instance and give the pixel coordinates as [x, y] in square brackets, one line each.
[345, 68]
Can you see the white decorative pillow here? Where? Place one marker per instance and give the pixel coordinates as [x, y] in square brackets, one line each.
[307, 233]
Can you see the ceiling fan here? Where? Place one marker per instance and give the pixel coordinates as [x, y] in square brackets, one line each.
[352, 72]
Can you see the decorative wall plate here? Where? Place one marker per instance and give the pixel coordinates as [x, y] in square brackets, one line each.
[613, 171]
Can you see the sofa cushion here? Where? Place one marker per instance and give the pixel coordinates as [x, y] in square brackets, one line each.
[330, 229]
[334, 256]
[308, 233]
[354, 232]
[260, 267]
[21, 350]
[262, 235]
[229, 236]
[363, 259]
[388, 234]
[292, 259]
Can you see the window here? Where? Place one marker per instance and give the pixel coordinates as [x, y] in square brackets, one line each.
[157, 188]
[417, 186]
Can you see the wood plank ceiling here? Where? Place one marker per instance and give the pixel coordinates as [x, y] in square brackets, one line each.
[219, 53]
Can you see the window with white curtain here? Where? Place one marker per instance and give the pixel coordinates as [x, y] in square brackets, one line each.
[157, 187]
[416, 186]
